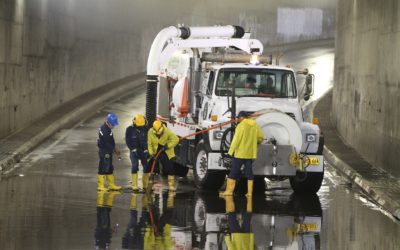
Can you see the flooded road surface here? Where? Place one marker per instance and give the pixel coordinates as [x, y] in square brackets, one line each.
[51, 202]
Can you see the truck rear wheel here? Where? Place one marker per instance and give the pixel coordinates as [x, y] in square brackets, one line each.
[203, 177]
[306, 182]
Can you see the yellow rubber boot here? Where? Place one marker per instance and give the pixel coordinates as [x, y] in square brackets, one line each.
[145, 180]
[170, 200]
[111, 182]
[230, 187]
[229, 204]
[100, 198]
[249, 188]
[110, 198]
[171, 183]
[134, 202]
[249, 205]
[100, 183]
[135, 182]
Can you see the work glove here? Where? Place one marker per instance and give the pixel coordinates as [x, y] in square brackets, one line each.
[134, 151]
[146, 151]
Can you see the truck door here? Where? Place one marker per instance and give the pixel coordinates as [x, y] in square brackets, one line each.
[207, 96]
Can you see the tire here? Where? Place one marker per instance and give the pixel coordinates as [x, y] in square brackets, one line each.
[204, 178]
[202, 204]
[180, 170]
[310, 182]
[306, 182]
[199, 214]
[305, 205]
[226, 141]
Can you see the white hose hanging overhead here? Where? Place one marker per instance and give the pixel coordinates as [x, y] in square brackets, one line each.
[186, 32]
[162, 39]
[157, 47]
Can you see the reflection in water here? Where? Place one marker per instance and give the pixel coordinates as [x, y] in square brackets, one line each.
[206, 221]
[135, 231]
[276, 222]
[240, 234]
[103, 231]
[158, 233]
[150, 225]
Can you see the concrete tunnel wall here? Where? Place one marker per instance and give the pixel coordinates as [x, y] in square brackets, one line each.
[366, 94]
[52, 51]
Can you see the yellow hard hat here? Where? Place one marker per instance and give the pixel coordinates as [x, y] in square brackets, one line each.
[139, 120]
[158, 127]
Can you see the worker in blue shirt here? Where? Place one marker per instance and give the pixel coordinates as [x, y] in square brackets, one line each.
[106, 146]
[136, 140]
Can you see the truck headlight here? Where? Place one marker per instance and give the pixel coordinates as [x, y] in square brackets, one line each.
[311, 137]
[218, 135]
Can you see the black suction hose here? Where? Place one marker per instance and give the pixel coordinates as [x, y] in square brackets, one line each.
[151, 98]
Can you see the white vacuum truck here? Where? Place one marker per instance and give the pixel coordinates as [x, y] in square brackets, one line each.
[200, 78]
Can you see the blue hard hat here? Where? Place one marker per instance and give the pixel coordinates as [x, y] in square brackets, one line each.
[112, 119]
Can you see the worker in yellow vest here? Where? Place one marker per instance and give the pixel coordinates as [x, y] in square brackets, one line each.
[243, 149]
[163, 140]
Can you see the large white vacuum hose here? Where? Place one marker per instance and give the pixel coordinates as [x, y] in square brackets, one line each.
[283, 128]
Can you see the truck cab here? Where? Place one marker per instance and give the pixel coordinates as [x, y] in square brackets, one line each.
[271, 87]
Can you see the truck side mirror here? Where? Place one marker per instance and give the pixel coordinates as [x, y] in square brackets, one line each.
[309, 87]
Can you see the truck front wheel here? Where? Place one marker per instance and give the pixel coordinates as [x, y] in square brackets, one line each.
[203, 177]
[306, 182]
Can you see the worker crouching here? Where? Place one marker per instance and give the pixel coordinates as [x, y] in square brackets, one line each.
[244, 149]
[136, 140]
[106, 145]
[163, 141]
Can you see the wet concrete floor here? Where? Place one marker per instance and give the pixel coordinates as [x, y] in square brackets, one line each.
[51, 202]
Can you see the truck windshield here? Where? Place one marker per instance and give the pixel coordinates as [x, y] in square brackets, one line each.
[271, 83]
